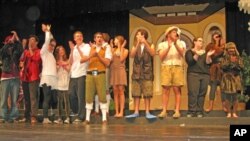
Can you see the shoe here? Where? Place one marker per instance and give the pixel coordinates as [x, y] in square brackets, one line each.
[200, 115]
[66, 121]
[190, 115]
[24, 120]
[135, 115]
[73, 114]
[162, 115]
[176, 115]
[77, 120]
[59, 121]
[150, 116]
[46, 121]
[33, 120]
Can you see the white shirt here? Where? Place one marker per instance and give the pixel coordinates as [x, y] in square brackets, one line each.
[63, 79]
[108, 53]
[48, 59]
[79, 69]
[49, 73]
[173, 57]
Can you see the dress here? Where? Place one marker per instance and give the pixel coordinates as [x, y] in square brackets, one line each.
[118, 75]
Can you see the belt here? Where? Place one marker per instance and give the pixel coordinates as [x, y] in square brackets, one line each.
[95, 72]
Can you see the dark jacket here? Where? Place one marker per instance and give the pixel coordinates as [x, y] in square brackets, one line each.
[9, 55]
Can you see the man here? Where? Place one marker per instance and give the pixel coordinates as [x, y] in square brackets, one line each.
[49, 72]
[9, 55]
[99, 59]
[30, 63]
[79, 63]
[171, 53]
[142, 77]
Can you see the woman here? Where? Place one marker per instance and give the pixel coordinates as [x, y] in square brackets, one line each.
[231, 84]
[215, 70]
[197, 76]
[118, 76]
[63, 69]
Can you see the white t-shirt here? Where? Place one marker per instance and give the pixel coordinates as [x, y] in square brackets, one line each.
[79, 69]
[173, 57]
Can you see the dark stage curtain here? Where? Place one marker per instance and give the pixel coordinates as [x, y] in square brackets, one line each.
[113, 23]
[236, 26]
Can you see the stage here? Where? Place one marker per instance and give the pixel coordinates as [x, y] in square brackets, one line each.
[209, 128]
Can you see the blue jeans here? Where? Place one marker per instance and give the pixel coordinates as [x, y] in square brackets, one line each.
[10, 87]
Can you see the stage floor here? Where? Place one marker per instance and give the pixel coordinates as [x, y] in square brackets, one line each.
[97, 132]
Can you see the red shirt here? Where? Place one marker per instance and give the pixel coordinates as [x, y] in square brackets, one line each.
[32, 66]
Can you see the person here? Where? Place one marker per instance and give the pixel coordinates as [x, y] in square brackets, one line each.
[118, 76]
[30, 63]
[10, 81]
[99, 59]
[142, 76]
[215, 70]
[63, 69]
[49, 74]
[106, 39]
[171, 53]
[231, 82]
[198, 61]
[78, 60]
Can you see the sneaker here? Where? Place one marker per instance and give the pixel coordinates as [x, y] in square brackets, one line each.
[150, 116]
[176, 115]
[190, 115]
[66, 121]
[77, 120]
[24, 120]
[59, 121]
[135, 115]
[162, 115]
[200, 115]
[46, 121]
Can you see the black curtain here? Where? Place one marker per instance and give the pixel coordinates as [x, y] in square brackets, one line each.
[237, 26]
[113, 23]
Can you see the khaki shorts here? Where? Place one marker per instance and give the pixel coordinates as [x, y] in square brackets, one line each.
[142, 88]
[172, 75]
[96, 85]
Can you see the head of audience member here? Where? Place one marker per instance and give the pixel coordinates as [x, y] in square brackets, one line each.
[78, 37]
[33, 42]
[119, 40]
[60, 53]
[98, 38]
[173, 33]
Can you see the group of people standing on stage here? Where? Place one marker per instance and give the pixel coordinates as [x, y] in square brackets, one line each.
[91, 68]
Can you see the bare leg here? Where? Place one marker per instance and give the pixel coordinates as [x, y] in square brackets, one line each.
[122, 100]
[116, 98]
[165, 97]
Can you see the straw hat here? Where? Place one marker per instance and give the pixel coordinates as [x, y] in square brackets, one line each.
[173, 28]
